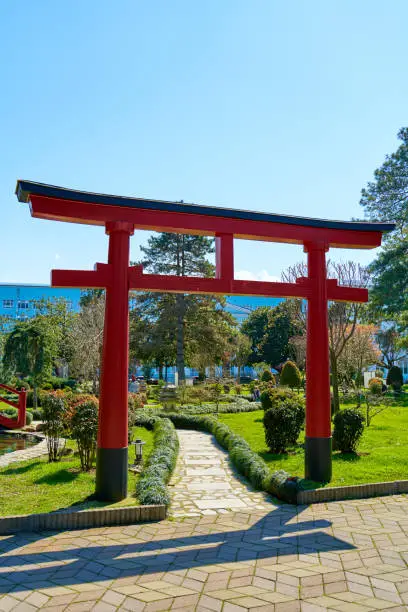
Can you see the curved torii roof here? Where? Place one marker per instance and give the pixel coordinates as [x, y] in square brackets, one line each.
[59, 203]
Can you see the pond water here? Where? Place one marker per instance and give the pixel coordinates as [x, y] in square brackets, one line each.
[9, 444]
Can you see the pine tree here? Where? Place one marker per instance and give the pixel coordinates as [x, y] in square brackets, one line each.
[177, 327]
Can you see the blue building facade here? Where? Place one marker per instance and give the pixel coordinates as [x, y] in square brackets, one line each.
[19, 302]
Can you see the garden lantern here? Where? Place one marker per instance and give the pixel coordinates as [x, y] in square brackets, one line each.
[138, 450]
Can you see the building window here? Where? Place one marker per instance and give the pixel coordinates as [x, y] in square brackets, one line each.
[8, 303]
[23, 304]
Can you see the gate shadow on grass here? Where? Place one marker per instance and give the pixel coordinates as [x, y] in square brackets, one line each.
[272, 536]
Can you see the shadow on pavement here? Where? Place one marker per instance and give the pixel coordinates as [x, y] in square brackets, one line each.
[275, 535]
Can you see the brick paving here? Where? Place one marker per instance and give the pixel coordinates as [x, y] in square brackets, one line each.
[205, 482]
[342, 556]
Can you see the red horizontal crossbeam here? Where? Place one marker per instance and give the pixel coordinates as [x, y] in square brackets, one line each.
[101, 278]
[82, 212]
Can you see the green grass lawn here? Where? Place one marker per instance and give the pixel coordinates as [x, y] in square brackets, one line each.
[38, 486]
[382, 453]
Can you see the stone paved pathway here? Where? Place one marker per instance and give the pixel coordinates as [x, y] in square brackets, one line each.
[342, 556]
[23, 455]
[205, 482]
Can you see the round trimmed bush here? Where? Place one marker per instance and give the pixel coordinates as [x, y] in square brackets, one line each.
[283, 423]
[275, 395]
[267, 377]
[29, 418]
[375, 386]
[290, 375]
[348, 429]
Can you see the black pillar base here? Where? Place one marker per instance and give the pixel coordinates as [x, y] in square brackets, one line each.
[318, 459]
[111, 473]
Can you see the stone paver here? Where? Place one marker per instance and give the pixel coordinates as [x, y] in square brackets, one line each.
[205, 483]
[341, 556]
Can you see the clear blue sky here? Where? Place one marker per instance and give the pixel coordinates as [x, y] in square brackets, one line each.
[283, 107]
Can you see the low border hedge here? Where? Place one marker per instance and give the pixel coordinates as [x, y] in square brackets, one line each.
[239, 405]
[280, 483]
[151, 488]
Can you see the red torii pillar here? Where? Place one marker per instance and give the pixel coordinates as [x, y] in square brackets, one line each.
[318, 440]
[112, 450]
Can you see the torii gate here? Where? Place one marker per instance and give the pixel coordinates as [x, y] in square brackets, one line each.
[121, 216]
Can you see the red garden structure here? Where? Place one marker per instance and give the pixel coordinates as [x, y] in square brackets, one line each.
[19, 405]
[120, 216]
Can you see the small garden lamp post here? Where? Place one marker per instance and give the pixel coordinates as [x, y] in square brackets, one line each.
[138, 450]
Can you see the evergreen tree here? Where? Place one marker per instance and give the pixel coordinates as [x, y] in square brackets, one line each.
[176, 328]
[395, 378]
[254, 327]
[386, 199]
[30, 350]
[281, 327]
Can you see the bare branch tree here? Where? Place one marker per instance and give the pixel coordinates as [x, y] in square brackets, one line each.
[342, 316]
[88, 340]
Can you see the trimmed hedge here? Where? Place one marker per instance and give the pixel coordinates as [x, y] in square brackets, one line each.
[151, 488]
[240, 404]
[280, 484]
[348, 429]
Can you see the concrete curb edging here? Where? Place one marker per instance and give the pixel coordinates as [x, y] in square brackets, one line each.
[361, 491]
[101, 517]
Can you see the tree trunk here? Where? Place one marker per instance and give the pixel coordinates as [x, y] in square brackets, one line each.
[335, 382]
[35, 397]
[161, 371]
[180, 301]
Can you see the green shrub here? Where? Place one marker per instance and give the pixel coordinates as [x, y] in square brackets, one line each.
[30, 399]
[267, 377]
[348, 429]
[226, 387]
[283, 423]
[238, 389]
[375, 386]
[151, 486]
[84, 427]
[282, 485]
[395, 378]
[37, 414]
[54, 414]
[272, 396]
[20, 384]
[29, 418]
[290, 375]
[10, 412]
